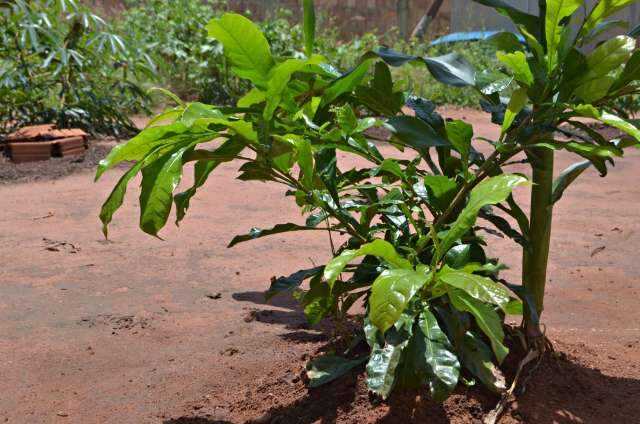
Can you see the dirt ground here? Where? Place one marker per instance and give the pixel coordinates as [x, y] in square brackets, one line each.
[138, 330]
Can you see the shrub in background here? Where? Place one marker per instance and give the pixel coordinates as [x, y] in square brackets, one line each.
[60, 63]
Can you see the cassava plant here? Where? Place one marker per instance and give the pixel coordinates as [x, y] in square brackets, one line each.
[412, 250]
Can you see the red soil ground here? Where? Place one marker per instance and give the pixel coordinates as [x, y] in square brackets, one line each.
[138, 330]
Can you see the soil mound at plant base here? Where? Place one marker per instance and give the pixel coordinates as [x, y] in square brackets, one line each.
[565, 387]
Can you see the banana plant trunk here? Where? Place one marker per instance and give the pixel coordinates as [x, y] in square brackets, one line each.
[536, 256]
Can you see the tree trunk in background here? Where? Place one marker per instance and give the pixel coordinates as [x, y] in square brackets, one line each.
[403, 18]
[421, 29]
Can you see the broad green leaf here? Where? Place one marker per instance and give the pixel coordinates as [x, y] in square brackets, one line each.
[594, 89]
[443, 364]
[518, 16]
[566, 177]
[488, 192]
[631, 72]
[159, 180]
[253, 97]
[516, 104]
[195, 111]
[304, 157]
[385, 359]
[327, 368]
[293, 281]
[451, 69]
[318, 301]
[242, 128]
[458, 256]
[607, 57]
[415, 132]
[556, 12]
[116, 198]
[279, 77]
[534, 45]
[476, 356]
[440, 191]
[346, 83]
[245, 47]
[602, 10]
[380, 95]
[486, 318]
[476, 286]
[390, 294]
[517, 63]
[147, 140]
[379, 248]
[309, 27]
[609, 119]
[460, 134]
[506, 41]
[255, 232]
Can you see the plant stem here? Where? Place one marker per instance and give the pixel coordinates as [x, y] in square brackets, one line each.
[535, 258]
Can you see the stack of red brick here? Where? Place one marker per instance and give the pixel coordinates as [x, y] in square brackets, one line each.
[41, 142]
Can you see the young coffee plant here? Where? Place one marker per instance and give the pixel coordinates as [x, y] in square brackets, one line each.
[414, 254]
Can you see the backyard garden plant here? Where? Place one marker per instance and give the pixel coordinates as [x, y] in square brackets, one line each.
[61, 63]
[414, 254]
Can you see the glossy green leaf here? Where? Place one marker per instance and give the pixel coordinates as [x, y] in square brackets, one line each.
[309, 26]
[379, 248]
[517, 63]
[476, 356]
[556, 12]
[518, 16]
[488, 192]
[440, 191]
[443, 363]
[291, 282]
[609, 119]
[245, 47]
[476, 286]
[385, 358]
[390, 294]
[602, 10]
[460, 134]
[631, 72]
[159, 180]
[566, 177]
[517, 102]
[253, 97]
[595, 89]
[607, 57]
[255, 232]
[415, 132]
[486, 318]
[149, 139]
[346, 83]
[451, 69]
[506, 41]
[116, 198]
[325, 369]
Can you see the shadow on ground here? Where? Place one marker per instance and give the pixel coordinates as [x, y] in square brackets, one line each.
[561, 390]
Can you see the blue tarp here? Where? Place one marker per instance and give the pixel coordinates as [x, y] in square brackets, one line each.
[468, 36]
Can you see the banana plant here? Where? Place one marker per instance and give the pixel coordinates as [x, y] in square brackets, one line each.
[415, 250]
